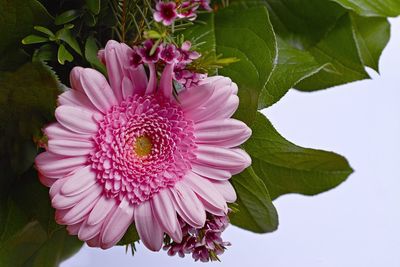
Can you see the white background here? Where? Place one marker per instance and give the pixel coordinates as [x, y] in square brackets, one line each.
[356, 224]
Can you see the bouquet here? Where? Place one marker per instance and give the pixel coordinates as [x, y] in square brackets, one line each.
[126, 121]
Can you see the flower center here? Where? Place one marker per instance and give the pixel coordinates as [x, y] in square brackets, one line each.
[143, 146]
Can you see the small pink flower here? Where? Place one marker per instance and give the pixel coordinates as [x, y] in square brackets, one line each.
[124, 150]
[188, 10]
[169, 54]
[165, 13]
[187, 56]
[146, 53]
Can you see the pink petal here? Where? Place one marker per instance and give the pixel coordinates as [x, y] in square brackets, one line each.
[80, 211]
[116, 227]
[57, 131]
[75, 78]
[97, 89]
[59, 201]
[100, 210]
[226, 189]
[226, 132]
[117, 61]
[56, 187]
[188, 206]
[138, 78]
[87, 232]
[222, 158]
[76, 119]
[149, 229]
[164, 210]
[166, 81]
[94, 242]
[127, 88]
[232, 105]
[151, 86]
[211, 172]
[78, 182]
[52, 165]
[210, 197]
[74, 228]
[46, 181]
[75, 98]
[70, 147]
[194, 97]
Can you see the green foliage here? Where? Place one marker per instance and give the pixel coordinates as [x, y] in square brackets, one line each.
[28, 234]
[17, 19]
[287, 168]
[373, 8]
[246, 34]
[255, 209]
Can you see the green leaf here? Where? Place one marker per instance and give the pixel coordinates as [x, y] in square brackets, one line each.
[66, 35]
[246, 34]
[373, 8]
[372, 35]
[17, 19]
[130, 237]
[31, 237]
[93, 6]
[64, 55]
[293, 66]
[44, 30]
[47, 52]
[287, 168]
[256, 212]
[67, 16]
[322, 29]
[339, 50]
[27, 101]
[91, 50]
[34, 39]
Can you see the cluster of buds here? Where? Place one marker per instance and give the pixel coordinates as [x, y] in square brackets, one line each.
[204, 244]
[168, 54]
[168, 12]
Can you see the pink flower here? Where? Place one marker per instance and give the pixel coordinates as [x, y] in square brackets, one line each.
[169, 54]
[124, 151]
[165, 13]
[146, 53]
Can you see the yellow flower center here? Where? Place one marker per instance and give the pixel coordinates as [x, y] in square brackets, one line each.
[143, 146]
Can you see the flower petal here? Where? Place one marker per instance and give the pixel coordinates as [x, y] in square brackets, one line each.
[211, 172]
[222, 158]
[75, 98]
[65, 147]
[75, 78]
[80, 211]
[127, 88]
[57, 131]
[97, 89]
[148, 228]
[116, 227]
[226, 132]
[226, 189]
[209, 195]
[78, 182]
[52, 165]
[76, 119]
[100, 210]
[188, 205]
[164, 210]
[151, 86]
[166, 81]
[138, 78]
[194, 97]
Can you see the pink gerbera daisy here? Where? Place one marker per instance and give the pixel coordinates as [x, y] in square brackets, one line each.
[125, 150]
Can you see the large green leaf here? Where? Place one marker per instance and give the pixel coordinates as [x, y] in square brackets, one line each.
[255, 209]
[293, 66]
[17, 18]
[381, 8]
[30, 237]
[27, 101]
[246, 33]
[372, 35]
[287, 168]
